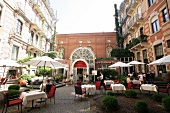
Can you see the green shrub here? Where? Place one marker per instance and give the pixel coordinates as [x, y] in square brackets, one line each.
[141, 106]
[166, 103]
[26, 89]
[14, 87]
[25, 77]
[157, 97]
[110, 93]
[110, 103]
[13, 93]
[130, 93]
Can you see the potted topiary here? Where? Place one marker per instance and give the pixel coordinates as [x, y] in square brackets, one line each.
[110, 103]
[141, 106]
[166, 103]
[130, 93]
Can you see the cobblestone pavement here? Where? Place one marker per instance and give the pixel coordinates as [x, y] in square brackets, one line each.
[65, 103]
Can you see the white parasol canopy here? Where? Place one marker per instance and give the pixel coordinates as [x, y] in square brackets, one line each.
[8, 63]
[162, 61]
[120, 64]
[135, 63]
[44, 61]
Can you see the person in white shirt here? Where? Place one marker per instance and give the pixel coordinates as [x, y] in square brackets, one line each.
[140, 76]
[102, 79]
[128, 79]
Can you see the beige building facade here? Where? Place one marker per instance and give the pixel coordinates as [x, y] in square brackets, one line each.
[146, 29]
[26, 28]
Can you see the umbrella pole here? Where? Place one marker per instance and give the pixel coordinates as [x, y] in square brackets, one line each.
[43, 77]
[4, 71]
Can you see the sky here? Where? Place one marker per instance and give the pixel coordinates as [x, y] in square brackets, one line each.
[84, 16]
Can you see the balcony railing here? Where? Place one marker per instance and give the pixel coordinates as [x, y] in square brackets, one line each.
[132, 7]
[138, 18]
[138, 43]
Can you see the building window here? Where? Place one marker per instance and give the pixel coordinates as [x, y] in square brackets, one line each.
[168, 43]
[141, 31]
[19, 27]
[158, 51]
[145, 54]
[138, 56]
[165, 15]
[151, 2]
[32, 37]
[14, 53]
[37, 39]
[155, 26]
[0, 11]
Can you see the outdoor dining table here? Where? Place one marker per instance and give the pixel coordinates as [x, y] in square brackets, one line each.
[108, 82]
[136, 82]
[89, 88]
[117, 87]
[149, 87]
[31, 96]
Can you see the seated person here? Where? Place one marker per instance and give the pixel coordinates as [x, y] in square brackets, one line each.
[140, 76]
[48, 81]
[14, 76]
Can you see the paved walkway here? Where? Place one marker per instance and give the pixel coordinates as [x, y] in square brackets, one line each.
[65, 103]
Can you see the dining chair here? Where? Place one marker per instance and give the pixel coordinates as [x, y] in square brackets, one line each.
[10, 102]
[79, 91]
[48, 88]
[51, 94]
[3, 81]
[164, 90]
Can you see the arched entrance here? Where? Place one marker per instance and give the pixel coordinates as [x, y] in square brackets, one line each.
[82, 61]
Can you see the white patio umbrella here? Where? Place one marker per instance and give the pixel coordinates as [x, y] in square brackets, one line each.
[44, 61]
[121, 65]
[135, 62]
[162, 61]
[8, 63]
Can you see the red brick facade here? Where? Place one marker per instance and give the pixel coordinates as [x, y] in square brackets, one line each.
[97, 42]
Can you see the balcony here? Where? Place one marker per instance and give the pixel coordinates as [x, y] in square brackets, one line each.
[21, 10]
[136, 21]
[16, 35]
[34, 47]
[132, 7]
[139, 43]
[37, 5]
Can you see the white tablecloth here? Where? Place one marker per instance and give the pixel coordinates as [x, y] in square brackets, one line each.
[32, 95]
[108, 82]
[89, 88]
[149, 87]
[116, 87]
[136, 82]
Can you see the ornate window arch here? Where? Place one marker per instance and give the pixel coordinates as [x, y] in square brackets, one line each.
[83, 53]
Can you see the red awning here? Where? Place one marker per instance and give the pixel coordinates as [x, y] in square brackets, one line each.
[80, 64]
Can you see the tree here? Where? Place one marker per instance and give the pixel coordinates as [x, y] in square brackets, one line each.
[118, 29]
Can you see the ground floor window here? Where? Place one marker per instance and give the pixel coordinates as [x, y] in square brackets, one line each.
[15, 50]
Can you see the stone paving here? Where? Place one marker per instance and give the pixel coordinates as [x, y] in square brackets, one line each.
[65, 103]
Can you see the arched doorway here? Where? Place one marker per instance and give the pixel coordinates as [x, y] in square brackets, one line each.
[82, 61]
